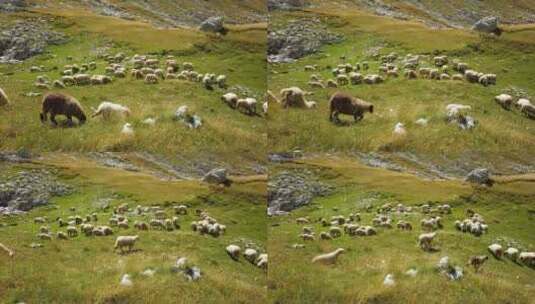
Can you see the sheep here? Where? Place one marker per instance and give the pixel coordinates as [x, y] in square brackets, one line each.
[440, 60]
[250, 255]
[107, 109]
[392, 73]
[310, 68]
[512, 253]
[247, 104]
[410, 74]
[431, 224]
[522, 102]
[44, 236]
[349, 105]
[527, 258]
[43, 229]
[471, 76]
[496, 250]
[123, 224]
[399, 129]
[40, 220]
[57, 103]
[127, 129]
[342, 79]
[302, 220]
[328, 258]
[262, 261]
[404, 225]
[331, 83]
[325, 236]
[529, 111]
[157, 224]
[87, 229]
[125, 241]
[233, 251]
[307, 237]
[425, 239]
[141, 225]
[316, 84]
[72, 231]
[434, 74]
[453, 110]
[82, 79]
[188, 66]
[221, 81]
[151, 79]
[100, 79]
[373, 79]
[335, 232]
[477, 261]
[504, 100]
[231, 99]
[444, 76]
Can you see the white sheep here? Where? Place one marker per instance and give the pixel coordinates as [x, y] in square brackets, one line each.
[521, 103]
[422, 122]
[496, 250]
[425, 239]
[125, 241]
[231, 99]
[262, 261]
[527, 258]
[107, 109]
[399, 129]
[328, 258]
[504, 100]
[247, 104]
[233, 251]
[151, 78]
[149, 121]
[454, 109]
[512, 253]
[250, 255]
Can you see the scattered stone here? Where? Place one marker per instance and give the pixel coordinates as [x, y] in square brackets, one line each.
[148, 272]
[389, 280]
[285, 4]
[411, 272]
[36, 245]
[126, 281]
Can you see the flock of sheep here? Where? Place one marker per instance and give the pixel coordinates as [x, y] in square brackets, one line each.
[338, 226]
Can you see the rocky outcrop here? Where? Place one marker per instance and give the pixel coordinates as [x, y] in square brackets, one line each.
[290, 190]
[217, 176]
[480, 176]
[25, 39]
[285, 4]
[213, 25]
[12, 5]
[28, 189]
[298, 39]
[487, 25]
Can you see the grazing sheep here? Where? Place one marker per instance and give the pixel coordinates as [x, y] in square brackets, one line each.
[328, 258]
[72, 231]
[496, 250]
[307, 237]
[325, 236]
[302, 220]
[82, 79]
[527, 258]
[44, 236]
[444, 76]
[230, 99]
[355, 78]
[316, 84]
[373, 79]
[453, 110]
[250, 255]
[349, 105]
[123, 224]
[43, 229]
[477, 261]
[331, 83]
[247, 104]
[410, 74]
[471, 76]
[221, 81]
[233, 251]
[125, 241]
[141, 225]
[404, 225]
[39, 220]
[342, 79]
[440, 60]
[335, 232]
[107, 109]
[512, 253]
[310, 68]
[457, 77]
[504, 100]
[293, 97]
[425, 239]
[87, 229]
[262, 261]
[60, 104]
[151, 79]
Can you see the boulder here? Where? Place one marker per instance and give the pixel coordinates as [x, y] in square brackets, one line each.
[480, 176]
[487, 25]
[213, 25]
[217, 176]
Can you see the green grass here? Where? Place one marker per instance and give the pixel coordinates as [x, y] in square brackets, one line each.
[499, 133]
[86, 270]
[226, 135]
[358, 275]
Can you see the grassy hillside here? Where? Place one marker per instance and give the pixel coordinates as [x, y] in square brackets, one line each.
[358, 275]
[86, 270]
[499, 134]
[226, 135]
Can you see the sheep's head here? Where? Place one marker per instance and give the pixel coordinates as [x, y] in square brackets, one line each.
[370, 108]
[340, 251]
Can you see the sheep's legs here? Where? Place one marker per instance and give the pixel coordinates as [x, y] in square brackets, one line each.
[53, 119]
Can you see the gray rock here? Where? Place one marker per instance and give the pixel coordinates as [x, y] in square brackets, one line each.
[285, 4]
[217, 176]
[486, 25]
[480, 176]
[12, 5]
[213, 25]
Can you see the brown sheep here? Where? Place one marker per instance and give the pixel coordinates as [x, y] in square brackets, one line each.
[4, 101]
[60, 104]
[349, 105]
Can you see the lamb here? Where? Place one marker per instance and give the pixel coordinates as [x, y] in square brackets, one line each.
[107, 109]
[60, 104]
[233, 251]
[151, 79]
[504, 100]
[477, 261]
[250, 255]
[247, 104]
[496, 250]
[230, 99]
[125, 241]
[346, 104]
[328, 258]
[425, 239]
[527, 258]
[4, 101]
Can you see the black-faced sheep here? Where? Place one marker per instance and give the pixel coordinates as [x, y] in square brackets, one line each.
[60, 104]
[341, 103]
